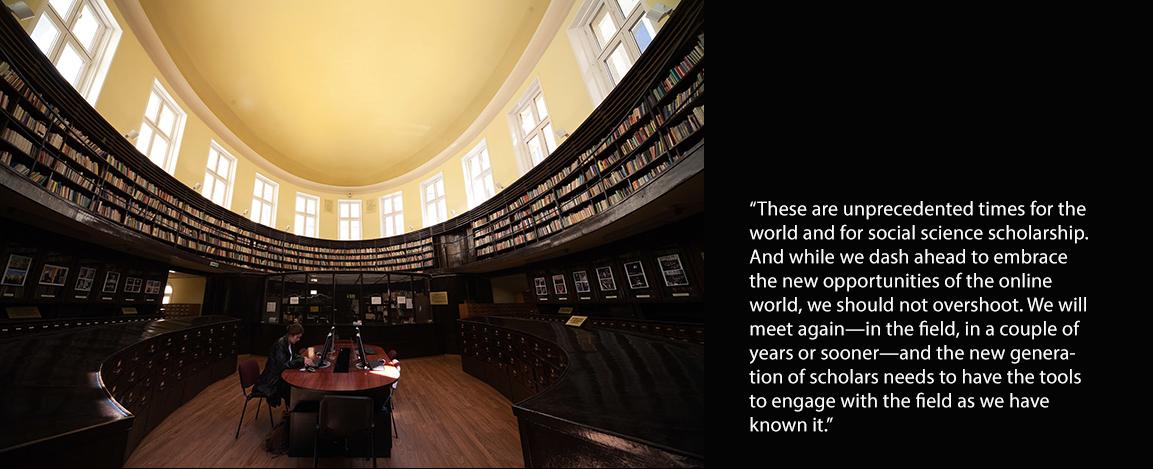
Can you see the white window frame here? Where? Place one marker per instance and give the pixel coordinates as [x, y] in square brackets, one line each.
[590, 56]
[260, 204]
[301, 218]
[543, 128]
[437, 202]
[91, 81]
[483, 176]
[168, 163]
[395, 214]
[217, 178]
[355, 231]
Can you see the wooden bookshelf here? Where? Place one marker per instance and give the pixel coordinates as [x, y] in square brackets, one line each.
[649, 138]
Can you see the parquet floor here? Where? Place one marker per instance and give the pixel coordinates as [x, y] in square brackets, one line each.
[444, 418]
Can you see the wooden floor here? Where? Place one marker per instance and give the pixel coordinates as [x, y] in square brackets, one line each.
[444, 418]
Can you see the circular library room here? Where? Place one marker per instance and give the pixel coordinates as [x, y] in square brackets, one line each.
[413, 234]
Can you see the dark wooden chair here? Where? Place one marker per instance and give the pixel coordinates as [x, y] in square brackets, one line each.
[249, 372]
[345, 416]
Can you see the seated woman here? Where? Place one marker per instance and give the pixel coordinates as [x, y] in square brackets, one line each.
[280, 358]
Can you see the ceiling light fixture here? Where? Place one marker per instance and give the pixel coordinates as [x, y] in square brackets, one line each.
[657, 12]
[21, 10]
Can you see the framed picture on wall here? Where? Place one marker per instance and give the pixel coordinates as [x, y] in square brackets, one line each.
[152, 287]
[605, 279]
[636, 275]
[110, 282]
[132, 285]
[581, 281]
[53, 275]
[85, 279]
[559, 285]
[16, 271]
[672, 270]
[541, 286]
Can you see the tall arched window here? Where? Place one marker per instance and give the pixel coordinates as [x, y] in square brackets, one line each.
[80, 38]
[167, 293]
[161, 129]
[608, 36]
[392, 214]
[478, 185]
[531, 127]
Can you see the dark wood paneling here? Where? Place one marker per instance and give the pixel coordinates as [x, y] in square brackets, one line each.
[52, 396]
[555, 373]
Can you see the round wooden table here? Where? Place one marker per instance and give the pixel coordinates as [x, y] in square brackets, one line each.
[323, 379]
[310, 387]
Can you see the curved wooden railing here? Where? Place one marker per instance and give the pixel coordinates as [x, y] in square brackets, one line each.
[86, 397]
[592, 397]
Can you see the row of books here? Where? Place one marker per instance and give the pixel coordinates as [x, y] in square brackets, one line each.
[642, 135]
[76, 177]
[108, 212]
[685, 97]
[689, 126]
[525, 223]
[115, 199]
[544, 216]
[572, 185]
[9, 75]
[638, 113]
[17, 140]
[78, 157]
[522, 214]
[578, 216]
[21, 115]
[424, 243]
[594, 190]
[543, 202]
[16, 166]
[632, 134]
[359, 257]
[652, 174]
[548, 228]
[680, 70]
[532, 196]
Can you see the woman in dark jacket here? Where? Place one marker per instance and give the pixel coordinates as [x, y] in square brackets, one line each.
[280, 358]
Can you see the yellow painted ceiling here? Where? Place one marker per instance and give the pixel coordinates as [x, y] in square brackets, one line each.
[350, 92]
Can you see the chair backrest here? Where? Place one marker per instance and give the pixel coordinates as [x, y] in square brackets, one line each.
[345, 415]
[249, 373]
[392, 354]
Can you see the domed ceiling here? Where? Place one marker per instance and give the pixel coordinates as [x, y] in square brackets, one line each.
[345, 93]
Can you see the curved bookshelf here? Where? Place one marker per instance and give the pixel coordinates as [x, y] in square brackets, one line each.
[53, 140]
